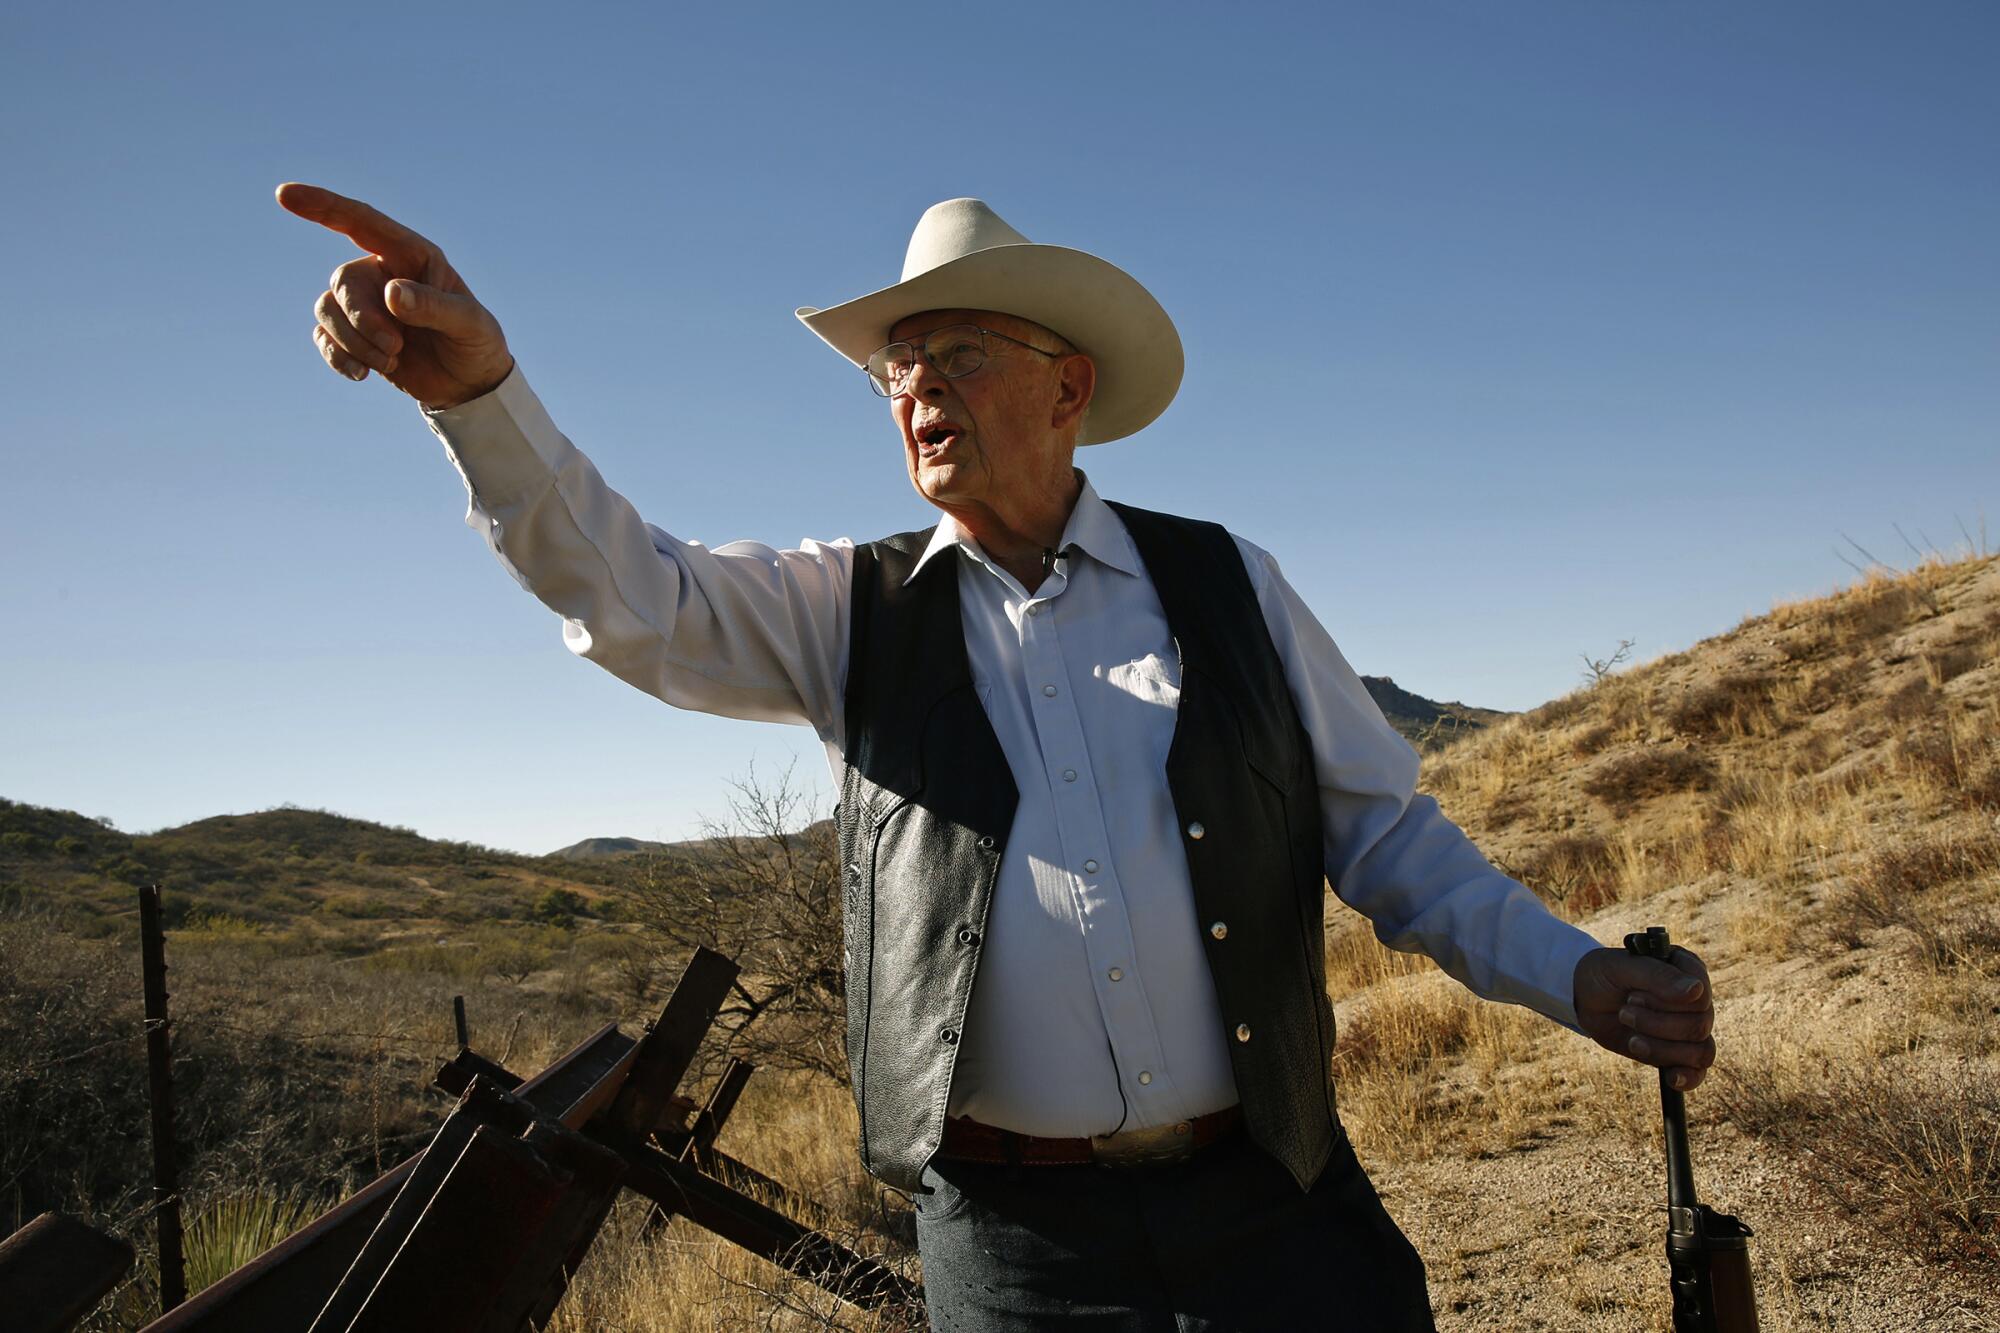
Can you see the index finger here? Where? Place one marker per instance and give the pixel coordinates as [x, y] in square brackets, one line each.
[365, 226]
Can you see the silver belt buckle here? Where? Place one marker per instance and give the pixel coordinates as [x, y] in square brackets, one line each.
[1143, 1147]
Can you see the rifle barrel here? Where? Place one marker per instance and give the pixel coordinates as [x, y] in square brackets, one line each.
[1680, 1170]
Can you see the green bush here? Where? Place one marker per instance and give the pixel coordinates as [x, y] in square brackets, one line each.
[357, 906]
[559, 907]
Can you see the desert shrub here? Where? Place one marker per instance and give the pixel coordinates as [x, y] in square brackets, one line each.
[1961, 760]
[125, 868]
[517, 954]
[276, 902]
[763, 888]
[357, 906]
[560, 908]
[1831, 687]
[1924, 864]
[72, 1085]
[1592, 739]
[1949, 663]
[1577, 872]
[218, 925]
[228, 1231]
[1400, 1032]
[73, 1114]
[1875, 607]
[1806, 643]
[1913, 699]
[1396, 1060]
[456, 962]
[1890, 890]
[1556, 712]
[1726, 708]
[1916, 1152]
[1622, 782]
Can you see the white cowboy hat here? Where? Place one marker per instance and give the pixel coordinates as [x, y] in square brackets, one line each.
[963, 257]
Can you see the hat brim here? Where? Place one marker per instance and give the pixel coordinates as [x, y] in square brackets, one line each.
[1095, 304]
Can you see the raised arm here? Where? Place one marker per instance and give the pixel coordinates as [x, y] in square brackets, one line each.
[743, 630]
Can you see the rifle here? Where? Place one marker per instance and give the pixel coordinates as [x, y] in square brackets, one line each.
[1708, 1253]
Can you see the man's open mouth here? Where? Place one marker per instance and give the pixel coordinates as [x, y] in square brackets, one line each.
[935, 436]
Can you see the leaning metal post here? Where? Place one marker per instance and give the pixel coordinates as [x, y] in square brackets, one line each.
[160, 1094]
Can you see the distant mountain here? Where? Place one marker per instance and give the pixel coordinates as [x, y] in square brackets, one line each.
[591, 848]
[272, 866]
[1426, 723]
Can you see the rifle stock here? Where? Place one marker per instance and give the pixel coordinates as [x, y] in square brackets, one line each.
[1708, 1252]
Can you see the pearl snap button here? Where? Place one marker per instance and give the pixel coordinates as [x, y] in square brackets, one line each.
[1220, 930]
[1090, 867]
[1069, 775]
[1196, 831]
[1117, 974]
[1035, 609]
[1145, 1076]
[1049, 690]
[1242, 1032]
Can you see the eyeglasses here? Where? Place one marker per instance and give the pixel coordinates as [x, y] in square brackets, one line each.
[953, 352]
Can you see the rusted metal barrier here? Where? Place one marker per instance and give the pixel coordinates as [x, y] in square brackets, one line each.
[700, 1143]
[54, 1271]
[283, 1288]
[483, 1231]
[499, 1198]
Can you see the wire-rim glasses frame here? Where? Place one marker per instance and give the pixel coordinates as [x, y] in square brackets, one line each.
[885, 387]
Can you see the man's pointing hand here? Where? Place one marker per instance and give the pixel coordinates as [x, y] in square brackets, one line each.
[400, 310]
[1659, 1013]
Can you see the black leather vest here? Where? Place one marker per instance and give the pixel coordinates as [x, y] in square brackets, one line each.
[926, 803]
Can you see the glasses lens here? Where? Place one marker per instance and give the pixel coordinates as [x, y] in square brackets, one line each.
[956, 350]
[888, 367]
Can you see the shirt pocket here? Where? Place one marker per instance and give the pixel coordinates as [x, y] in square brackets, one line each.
[1151, 678]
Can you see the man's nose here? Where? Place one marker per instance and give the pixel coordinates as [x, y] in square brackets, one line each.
[925, 381]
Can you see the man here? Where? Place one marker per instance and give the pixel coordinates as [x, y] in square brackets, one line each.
[1100, 760]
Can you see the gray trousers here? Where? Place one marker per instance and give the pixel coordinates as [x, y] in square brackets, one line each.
[1226, 1240]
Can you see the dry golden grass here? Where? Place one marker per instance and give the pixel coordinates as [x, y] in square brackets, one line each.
[1809, 798]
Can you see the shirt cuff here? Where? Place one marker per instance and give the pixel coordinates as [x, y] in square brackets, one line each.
[1561, 952]
[503, 442]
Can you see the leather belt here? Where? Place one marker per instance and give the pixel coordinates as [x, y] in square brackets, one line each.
[966, 1140]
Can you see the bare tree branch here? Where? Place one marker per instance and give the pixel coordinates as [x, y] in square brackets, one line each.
[761, 884]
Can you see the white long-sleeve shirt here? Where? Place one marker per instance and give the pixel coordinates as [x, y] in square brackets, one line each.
[1093, 1009]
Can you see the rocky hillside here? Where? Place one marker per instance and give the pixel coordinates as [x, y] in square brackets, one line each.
[1810, 800]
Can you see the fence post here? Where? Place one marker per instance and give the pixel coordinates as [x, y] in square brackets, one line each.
[160, 1094]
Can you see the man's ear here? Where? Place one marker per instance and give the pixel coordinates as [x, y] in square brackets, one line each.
[1075, 384]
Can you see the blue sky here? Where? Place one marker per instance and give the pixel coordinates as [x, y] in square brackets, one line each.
[1513, 330]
